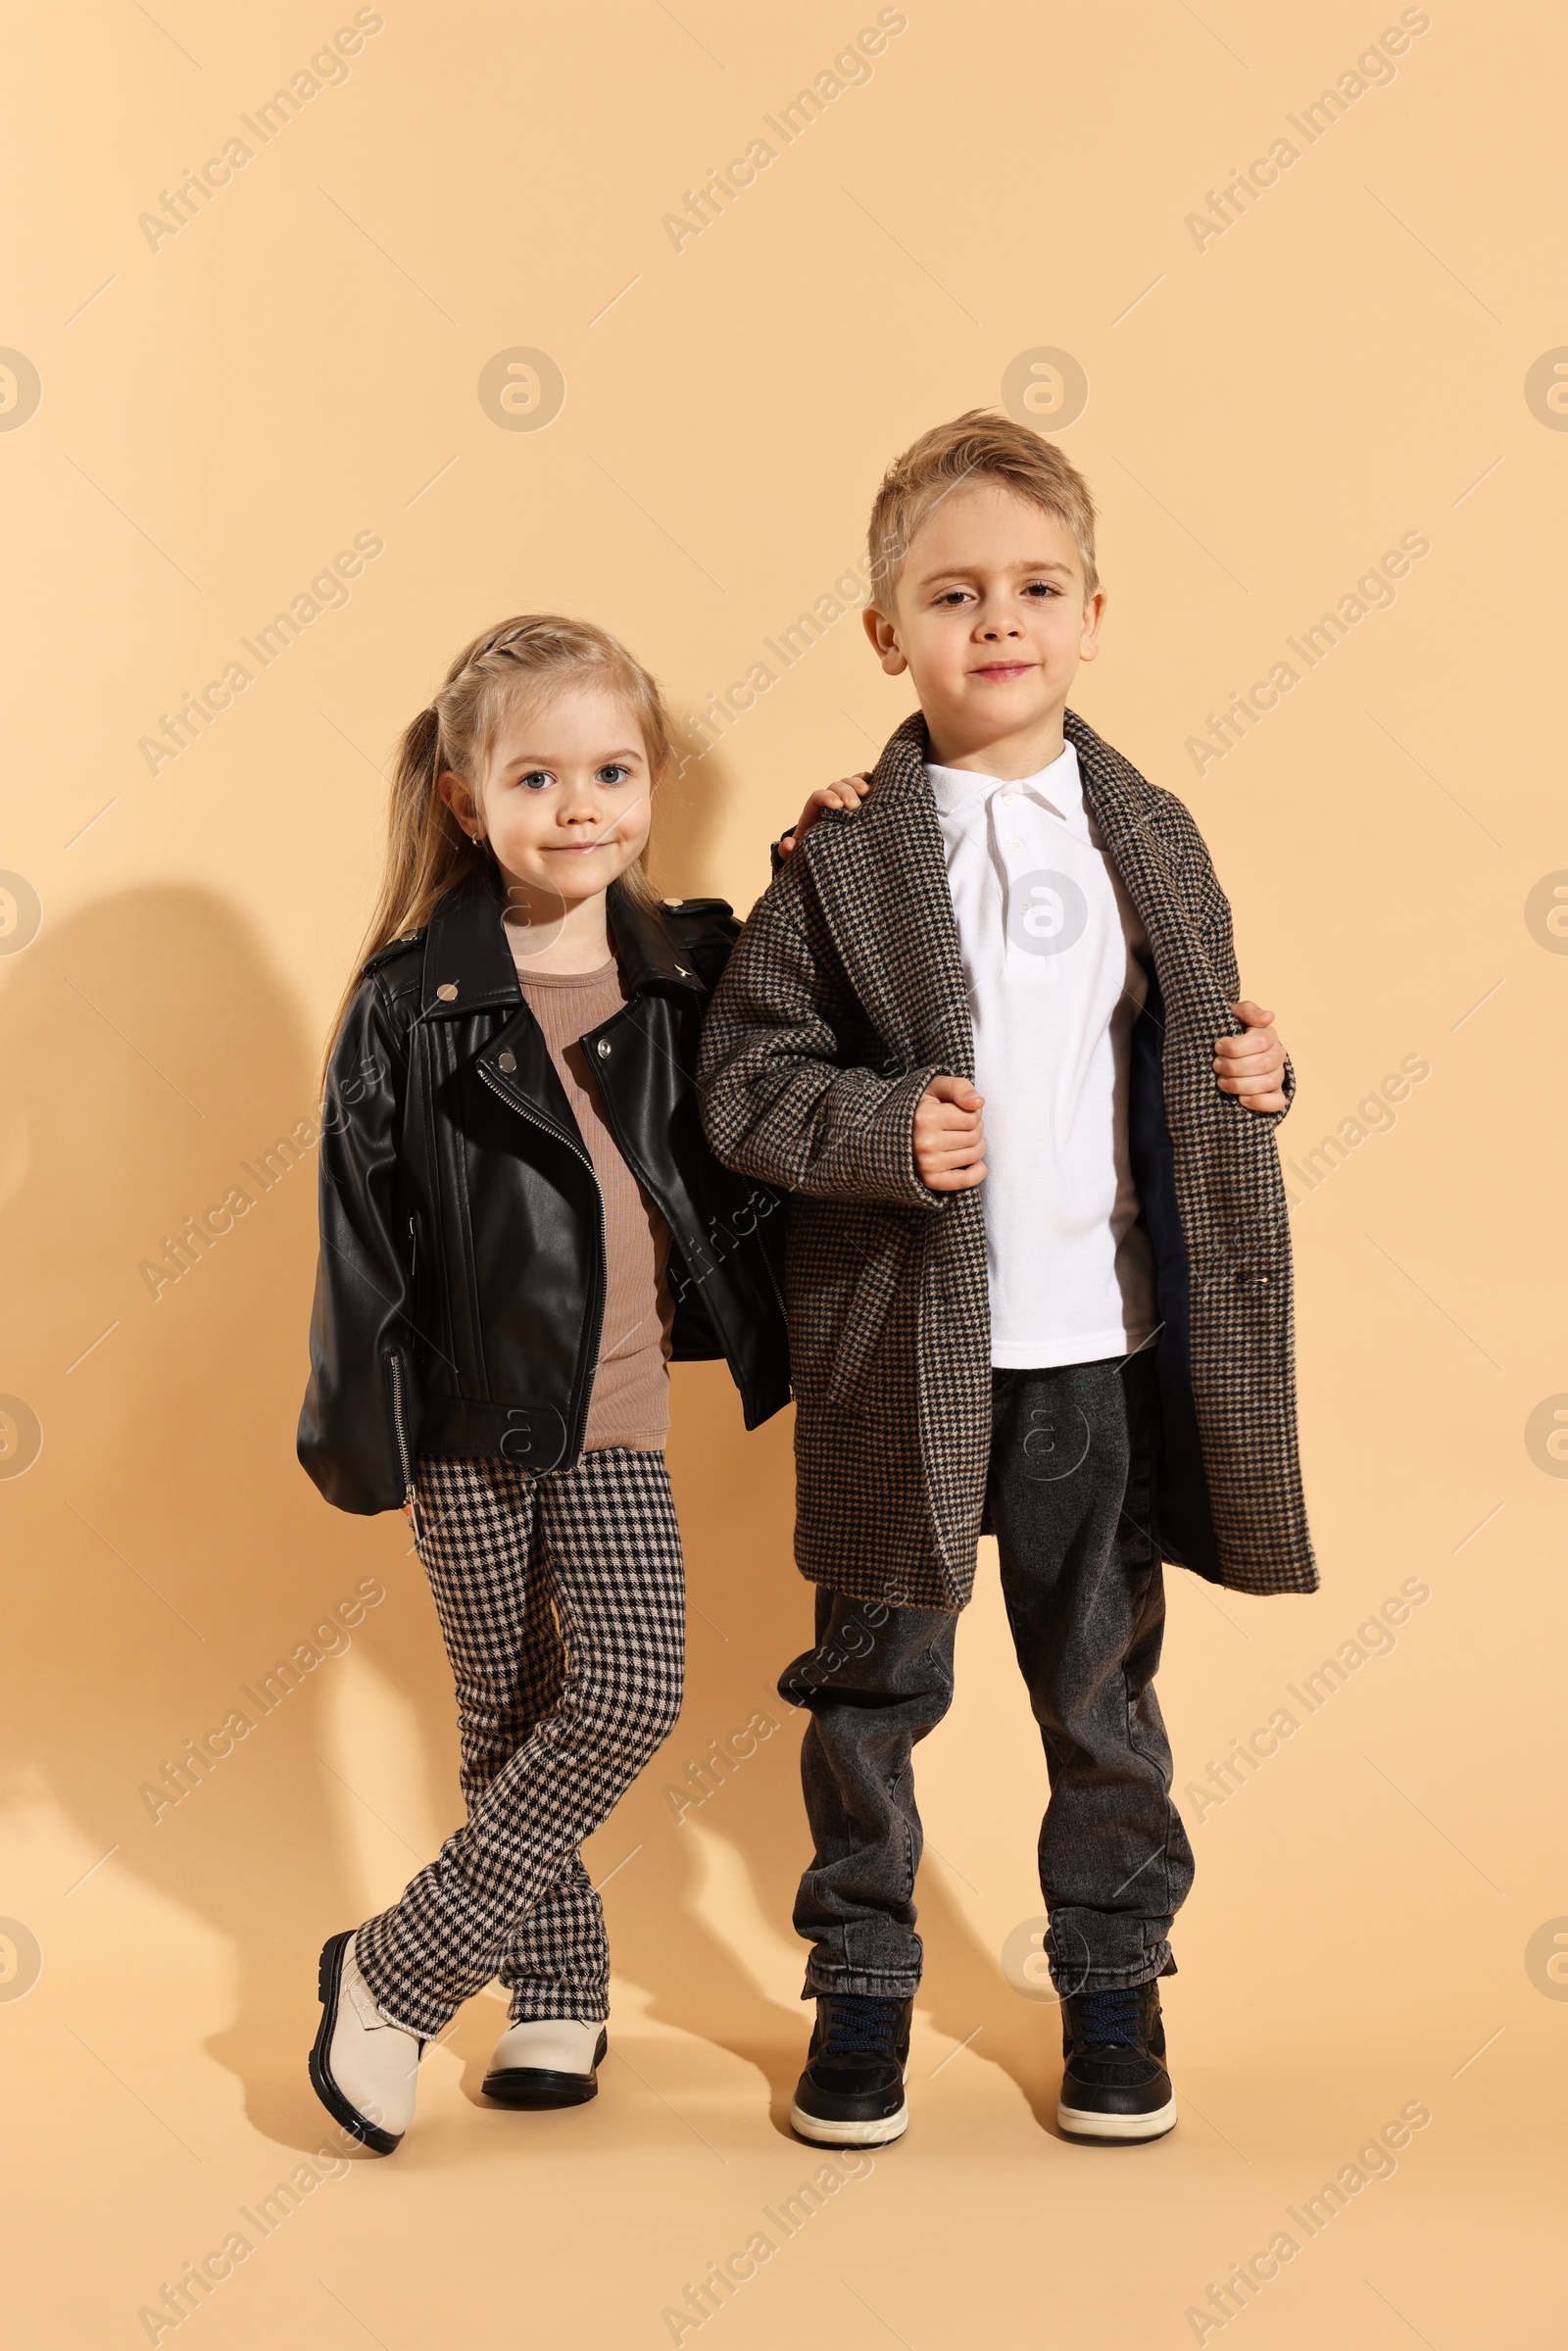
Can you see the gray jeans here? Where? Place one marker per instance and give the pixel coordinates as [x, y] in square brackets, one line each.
[1070, 1497]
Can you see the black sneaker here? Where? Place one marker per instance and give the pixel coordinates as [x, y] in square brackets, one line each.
[1115, 2084]
[852, 2091]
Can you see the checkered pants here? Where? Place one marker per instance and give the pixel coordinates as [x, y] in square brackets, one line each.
[562, 1601]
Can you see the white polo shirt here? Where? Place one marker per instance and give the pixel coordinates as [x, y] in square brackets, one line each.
[1056, 964]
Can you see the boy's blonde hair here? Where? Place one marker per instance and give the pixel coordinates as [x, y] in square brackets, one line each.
[978, 446]
[531, 656]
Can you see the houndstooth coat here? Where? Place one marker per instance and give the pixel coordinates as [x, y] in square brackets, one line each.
[844, 997]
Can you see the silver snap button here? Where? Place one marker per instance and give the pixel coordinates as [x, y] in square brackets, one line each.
[448, 992]
[507, 1061]
[603, 1050]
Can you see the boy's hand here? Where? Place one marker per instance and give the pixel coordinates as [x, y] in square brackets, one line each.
[847, 793]
[950, 1142]
[1253, 1066]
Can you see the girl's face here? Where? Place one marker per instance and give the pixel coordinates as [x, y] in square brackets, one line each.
[565, 801]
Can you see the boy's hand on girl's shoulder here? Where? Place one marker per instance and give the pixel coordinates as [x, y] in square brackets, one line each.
[949, 1141]
[1252, 1066]
[847, 793]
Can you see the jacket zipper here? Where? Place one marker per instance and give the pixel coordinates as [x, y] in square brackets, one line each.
[400, 1424]
[583, 1386]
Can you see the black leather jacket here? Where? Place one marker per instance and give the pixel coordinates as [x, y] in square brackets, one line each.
[459, 1289]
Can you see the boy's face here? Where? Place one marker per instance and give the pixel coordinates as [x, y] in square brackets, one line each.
[991, 618]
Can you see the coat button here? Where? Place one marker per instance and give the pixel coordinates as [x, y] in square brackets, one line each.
[448, 992]
[507, 1061]
[604, 1049]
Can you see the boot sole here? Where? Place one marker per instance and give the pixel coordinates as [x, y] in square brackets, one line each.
[1082, 2124]
[820, 2133]
[534, 2086]
[328, 1977]
[539, 2085]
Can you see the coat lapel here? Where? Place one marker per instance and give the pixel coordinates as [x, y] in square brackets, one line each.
[1119, 800]
[884, 894]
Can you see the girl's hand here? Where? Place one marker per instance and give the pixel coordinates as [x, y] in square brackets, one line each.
[847, 793]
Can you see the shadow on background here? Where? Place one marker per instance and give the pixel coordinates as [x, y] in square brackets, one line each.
[166, 1548]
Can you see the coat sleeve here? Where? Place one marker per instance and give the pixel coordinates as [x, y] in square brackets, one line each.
[781, 1101]
[357, 1427]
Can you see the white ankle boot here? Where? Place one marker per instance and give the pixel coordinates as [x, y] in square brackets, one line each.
[362, 2069]
[548, 2061]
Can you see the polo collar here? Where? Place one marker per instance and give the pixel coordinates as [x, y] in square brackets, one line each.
[469, 965]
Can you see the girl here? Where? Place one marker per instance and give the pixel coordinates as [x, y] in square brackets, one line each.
[520, 1225]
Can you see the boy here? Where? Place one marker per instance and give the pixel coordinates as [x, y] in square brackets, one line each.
[1075, 1337]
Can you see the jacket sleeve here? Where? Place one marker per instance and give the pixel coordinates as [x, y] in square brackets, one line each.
[357, 1427]
[779, 1103]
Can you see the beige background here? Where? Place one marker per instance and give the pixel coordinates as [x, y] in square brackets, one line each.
[299, 364]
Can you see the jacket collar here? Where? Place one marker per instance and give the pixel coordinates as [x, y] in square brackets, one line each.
[646, 945]
[469, 965]
[1116, 795]
[901, 776]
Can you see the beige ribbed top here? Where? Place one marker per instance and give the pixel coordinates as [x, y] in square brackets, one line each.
[630, 1400]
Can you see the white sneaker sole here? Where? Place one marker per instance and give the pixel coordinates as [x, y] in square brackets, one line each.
[1084, 2124]
[821, 2133]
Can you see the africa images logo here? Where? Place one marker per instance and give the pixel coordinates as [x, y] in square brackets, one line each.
[1047, 912]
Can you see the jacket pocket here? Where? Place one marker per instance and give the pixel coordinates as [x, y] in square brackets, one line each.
[852, 1378]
